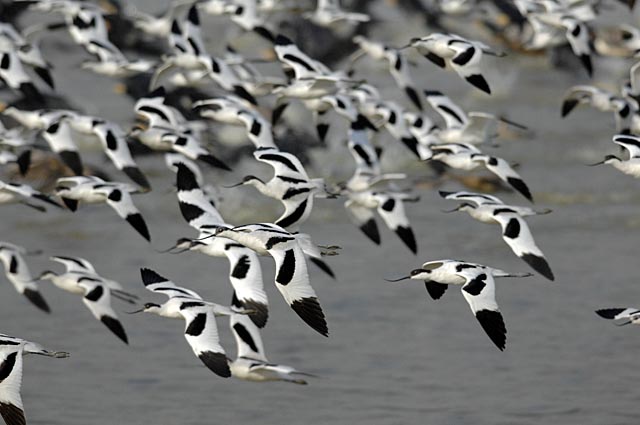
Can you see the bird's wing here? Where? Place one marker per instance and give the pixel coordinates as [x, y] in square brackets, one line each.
[201, 332]
[10, 382]
[452, 114]
[196, 207]
[618, 313]
[245, 274]
[484, 126]
[630, 143]
[283, 163]
[120, 200]
[391, 210]
[517, 235]
[400, 71]
[505, 172]
[364, 218]
[97, 298]
[578, 37]
[27, 191]
[59, 137]
[115, 145]
[480, 292]
[161, 285]
[476, 198]
[247, 335]
[74, 264]
[298, 203]
[292, 280]
[466, 63]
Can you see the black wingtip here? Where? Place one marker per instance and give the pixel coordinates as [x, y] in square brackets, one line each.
[45, 198]
[322, 130]
[137, 177]
[24, 162]
[214, 162]
[216, 362]
[568, 106]
[521, 187]
[407, 236]
[244, 94]
[264, 33]
[311, 313]
[36, 299]
[193, 15]
[72, 204]
[11, 414]
[159, 92]
[444, 193]
[493, 324]
[322, 265]
[435, 289]
[479, 82]
[185, 178]
[412, 144]
[72, 160]
[370, 228]
[30, 92]
[277, 113]
[586, 62]
[609, 313]
[539, 264]
[260, 313]
[413, 95]
[45, 76]
[282, 40]
[149, 277]
[115, 326]
[137, 222]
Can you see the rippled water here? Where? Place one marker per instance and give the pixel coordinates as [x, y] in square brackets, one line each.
[394, 355]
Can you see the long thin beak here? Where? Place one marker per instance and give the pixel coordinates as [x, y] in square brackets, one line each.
[233, 185]
[135, 312]
[597, 163]
[171, 250]
[624, 323]
[398, 279]
[456, 209]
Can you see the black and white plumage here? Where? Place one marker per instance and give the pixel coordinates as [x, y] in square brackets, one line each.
[232, 110]
[251, 362]
[28, 51]
[12, 193]
[458, 53]
[17, 272]
[464, 156]
[290, 185]
[94, 190]
[201, 330]
[60, 138]
[461, 127]
[515, 231]
[630, 166]
[96, 294]
[12, 350]
[292, 277]
[600, 99]
[621, 315]
[328, 13]
[13, 75]
[478, 289]
[395, 60]
[245, 272]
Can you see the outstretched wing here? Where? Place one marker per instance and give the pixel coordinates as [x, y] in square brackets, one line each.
[245, 274]
[247, 335]
[201, 332]
[196, 208]
[10, 382]
[284, 164]
[480, 293]
[391, 210]
[120, 200]
[161, 285]
[97, 298]
[630, 143]
[453, 115]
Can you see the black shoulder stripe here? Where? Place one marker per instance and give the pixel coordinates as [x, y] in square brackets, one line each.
[245, 336]
[299, 61]
[95, 294]
[281, 159]
[292, 191]
[287, 268]
[196, 326]
[294, 216]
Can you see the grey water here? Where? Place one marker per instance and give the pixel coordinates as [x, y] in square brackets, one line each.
[394, 356]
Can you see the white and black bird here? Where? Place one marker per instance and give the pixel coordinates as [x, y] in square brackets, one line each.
[460, 54]
[328, 13]
[461, 127]
[622, 316]
[201, 330]
[290, 185]
[600, 99]
[478, 289]
[13, 75]
[630, 166]
[292, 277]
[60, 138]
[96, 295]
[464, 156]
[515, 231]
[94, 190]
[16, 193]
[251, 362]
[245, 272]
[17, 272]
[11, 351]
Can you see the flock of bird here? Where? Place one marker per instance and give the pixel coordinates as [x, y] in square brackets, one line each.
[240, 94]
